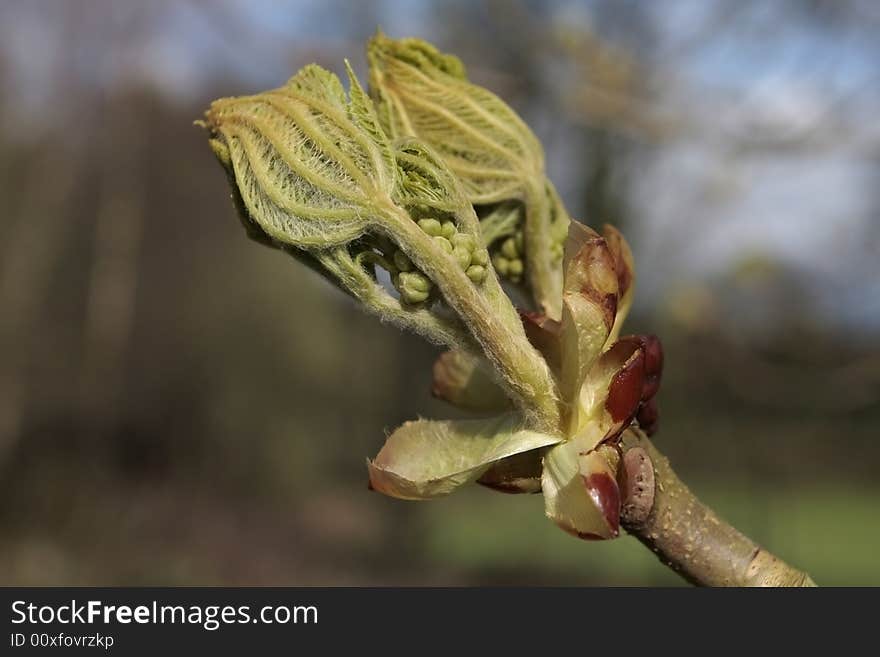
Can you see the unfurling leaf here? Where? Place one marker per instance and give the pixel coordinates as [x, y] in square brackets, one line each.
[422, 92]
[308, 173]
[428, 458]
[315, 174]
[624, 266]
[589, 304]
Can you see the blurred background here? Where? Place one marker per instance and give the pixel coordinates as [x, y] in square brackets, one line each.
[179, 405]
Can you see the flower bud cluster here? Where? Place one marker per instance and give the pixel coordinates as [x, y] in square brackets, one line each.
[413, 285]
[508, 257]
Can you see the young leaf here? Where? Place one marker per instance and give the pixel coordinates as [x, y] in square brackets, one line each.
[314, 170]
[485, 143]
[308, 174]
[425, 93]
[425, 181]
[624, 265]
[589, 305]
[428, 458]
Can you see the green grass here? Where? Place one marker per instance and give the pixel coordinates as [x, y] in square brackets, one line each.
[831, 531]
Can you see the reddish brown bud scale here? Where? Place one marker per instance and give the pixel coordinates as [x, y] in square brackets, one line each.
[605, 493]
[543, 333]
[584, 536]
[539, 320]
[623, 258]
[650, 387]
[625, 391]
[653, 355]
[653, 365]
[646, 412]
[514, 486]
[648, 416]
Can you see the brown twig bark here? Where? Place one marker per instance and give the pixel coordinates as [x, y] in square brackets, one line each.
[687, 536]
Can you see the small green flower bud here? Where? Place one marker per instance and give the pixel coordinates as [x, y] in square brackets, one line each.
[502, 264]
[515, 269]
[448, 229]
[464, 241]
[414, 287]
[430, 226]
[443, 243]
[416, 280]
[463, 256]
[477, 273]
[402, 262]
[480, 257]
[413, 297]
[508, 248]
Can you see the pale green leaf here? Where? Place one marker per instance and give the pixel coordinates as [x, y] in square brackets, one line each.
[313, 170]
[306, 164]
[424, 179]
[428, 458]
[491, 150]
[363, 113]
[425, 94]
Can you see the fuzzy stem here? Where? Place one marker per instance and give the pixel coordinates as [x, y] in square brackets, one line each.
[685, 534]
[545, 286]
[492, 321]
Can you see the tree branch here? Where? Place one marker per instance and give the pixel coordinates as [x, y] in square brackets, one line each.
[686, 535]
